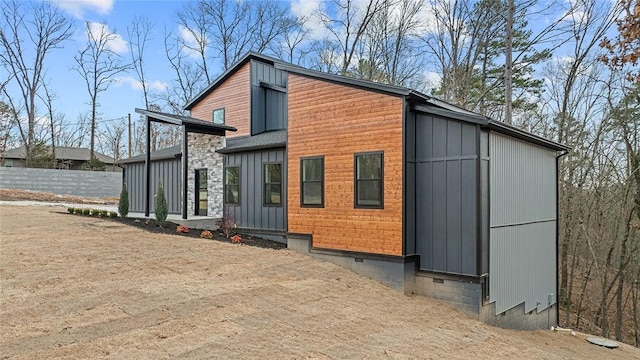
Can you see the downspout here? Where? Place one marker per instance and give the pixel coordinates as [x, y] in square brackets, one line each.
[558, 234]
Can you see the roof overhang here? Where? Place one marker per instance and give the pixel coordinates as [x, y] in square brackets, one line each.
[191, 124]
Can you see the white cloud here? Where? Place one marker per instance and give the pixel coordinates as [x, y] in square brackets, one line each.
[432, 79]
[307, 11]
[77, 8]
[135, 84]
[115, 42]
[191, 41]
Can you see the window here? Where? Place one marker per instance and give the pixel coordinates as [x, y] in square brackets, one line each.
[232, 185]
[312, 182]
[202, 192]
[369, 180]
[218, 116]
[273, 184]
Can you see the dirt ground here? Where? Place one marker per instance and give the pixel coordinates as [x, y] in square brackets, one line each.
[79, 287]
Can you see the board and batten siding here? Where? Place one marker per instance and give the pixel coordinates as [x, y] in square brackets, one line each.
[523, 217]
[251, 212]
[268, 106]
[168, 171]
[445, 193]
[337, 121]
[234, 96]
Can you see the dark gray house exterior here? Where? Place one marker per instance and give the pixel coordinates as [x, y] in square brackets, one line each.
[419, 194]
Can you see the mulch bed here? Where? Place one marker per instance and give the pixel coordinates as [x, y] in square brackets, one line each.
[169, 228]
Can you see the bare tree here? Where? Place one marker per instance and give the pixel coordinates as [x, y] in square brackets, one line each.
[112, 139]
[139, 33]
[30, 28]
[98, 64]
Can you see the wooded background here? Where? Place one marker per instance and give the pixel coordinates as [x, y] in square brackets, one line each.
[588, 100]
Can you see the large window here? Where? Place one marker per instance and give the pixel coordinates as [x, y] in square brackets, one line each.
[369, 183]
[312, 182]
[232, 185]
[273, 184]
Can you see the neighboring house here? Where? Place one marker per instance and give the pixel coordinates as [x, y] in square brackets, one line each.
[68, 158]
[394, 184]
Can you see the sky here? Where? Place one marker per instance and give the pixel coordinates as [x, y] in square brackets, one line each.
[124, 95]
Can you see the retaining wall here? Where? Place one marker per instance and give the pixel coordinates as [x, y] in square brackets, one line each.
[63, 182]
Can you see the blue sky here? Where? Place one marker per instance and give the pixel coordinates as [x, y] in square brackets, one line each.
[123, 96]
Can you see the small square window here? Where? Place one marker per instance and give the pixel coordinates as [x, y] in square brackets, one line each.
[312, 182]
[218, 116]
[369, 180]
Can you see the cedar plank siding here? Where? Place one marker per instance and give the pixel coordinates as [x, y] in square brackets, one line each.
[233, 96]
[337, 121]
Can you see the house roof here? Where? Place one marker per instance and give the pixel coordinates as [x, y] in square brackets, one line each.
[420, 101]
[192, 124]
[162, 154]
[267, 140]
[62, 153]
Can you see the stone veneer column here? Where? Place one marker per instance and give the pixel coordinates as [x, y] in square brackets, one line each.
[202, 154]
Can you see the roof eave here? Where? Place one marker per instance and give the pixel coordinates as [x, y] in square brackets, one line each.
[233, 150]
[526, 136]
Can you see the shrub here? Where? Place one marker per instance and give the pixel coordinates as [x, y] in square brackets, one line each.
[123, 203]
[113, 214]
[227, 225]
[161, 210]
[236, 239]
[71, 210]
[104, 213]
[206, 234]
[182, 229]
[78, 211]
[86, 211]
[93, 212]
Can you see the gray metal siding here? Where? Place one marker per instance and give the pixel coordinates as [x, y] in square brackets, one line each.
[445, 194]
[168, 171]
[522, 224]
[251, 213]
[268, 107]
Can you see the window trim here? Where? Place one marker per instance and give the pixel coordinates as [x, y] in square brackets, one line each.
[356, 205]
[224, 185]
[213, 116]
[264, 184]
[302, 204]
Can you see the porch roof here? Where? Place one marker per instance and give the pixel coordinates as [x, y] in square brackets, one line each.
[267, 140]
[191, 124]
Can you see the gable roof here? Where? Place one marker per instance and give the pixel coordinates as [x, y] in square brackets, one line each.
[62, 153]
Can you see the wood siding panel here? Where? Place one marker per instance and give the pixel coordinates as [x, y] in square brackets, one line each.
[337, 121]
[233, 96]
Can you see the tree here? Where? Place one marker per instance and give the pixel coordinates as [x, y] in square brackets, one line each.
[98, 64]
[29, 33]
[123, 202]
[625, 48]
[139, 34]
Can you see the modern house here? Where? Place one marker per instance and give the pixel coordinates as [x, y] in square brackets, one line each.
[398, 186]
[68, 158]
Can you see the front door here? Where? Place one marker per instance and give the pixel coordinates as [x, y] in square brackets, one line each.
[201, 192]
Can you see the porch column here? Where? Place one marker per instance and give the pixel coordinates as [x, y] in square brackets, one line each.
[147, 167]
[185, 170]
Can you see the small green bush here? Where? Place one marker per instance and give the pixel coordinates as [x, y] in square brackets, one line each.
[161, 209]
[123, 203]
[104, 213]
[113, 214]
[86, 211]
[71, 210]
[78, 211]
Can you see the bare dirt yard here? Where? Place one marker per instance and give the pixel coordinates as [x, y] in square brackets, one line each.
[80, 287]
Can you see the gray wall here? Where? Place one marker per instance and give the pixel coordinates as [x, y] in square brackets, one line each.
[268, 107]
[523, 223]
[446, 198]
[63, 182]
[251, 213]
[168, 171]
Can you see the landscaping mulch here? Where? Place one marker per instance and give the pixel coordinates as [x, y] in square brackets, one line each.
[170, 228]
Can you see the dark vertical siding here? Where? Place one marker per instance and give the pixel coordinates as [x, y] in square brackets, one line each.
[445, 192]
[168, 171]
[268, 107]
[484, 181]
[410, 182]
[251, 213]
